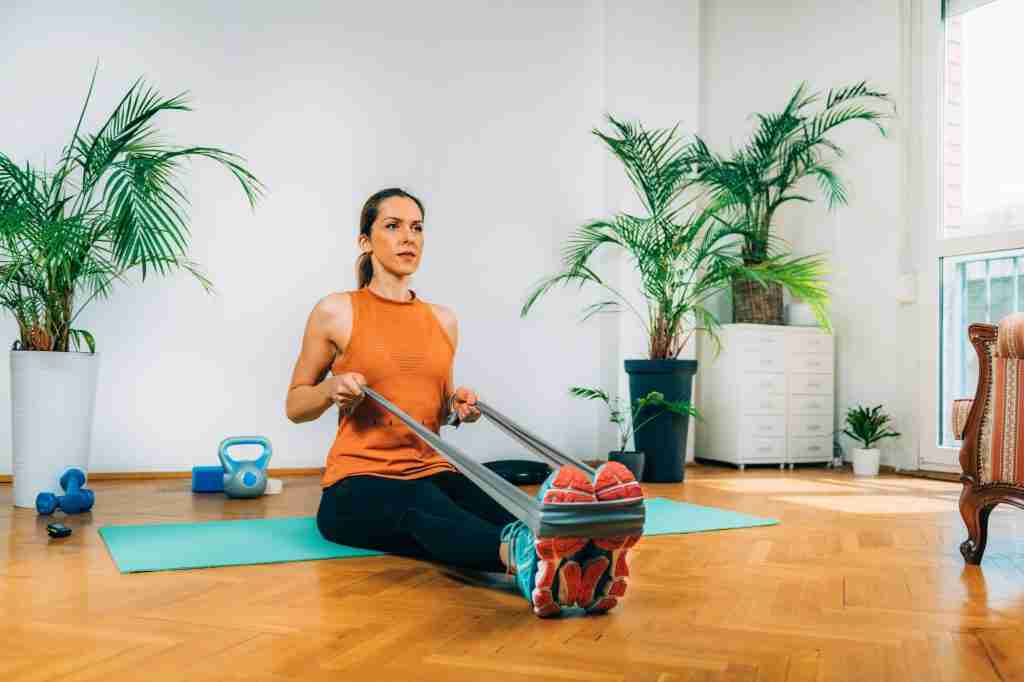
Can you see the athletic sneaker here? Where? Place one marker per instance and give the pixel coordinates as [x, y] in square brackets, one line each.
[546, 572]
[605, 564]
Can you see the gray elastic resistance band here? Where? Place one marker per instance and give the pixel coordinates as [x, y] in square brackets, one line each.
[612, 518]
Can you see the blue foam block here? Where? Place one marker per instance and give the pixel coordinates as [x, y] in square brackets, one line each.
[208, 479]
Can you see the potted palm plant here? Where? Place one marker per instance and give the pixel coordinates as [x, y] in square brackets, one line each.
[685, 254]
[112, 204]
[763, 175]
[628, 421]
[867, 426]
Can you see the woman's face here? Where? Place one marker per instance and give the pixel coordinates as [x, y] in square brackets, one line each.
[396, 236]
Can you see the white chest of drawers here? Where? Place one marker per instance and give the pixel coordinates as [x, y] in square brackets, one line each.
[769, 397]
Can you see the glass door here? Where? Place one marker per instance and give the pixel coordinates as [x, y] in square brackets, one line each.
[971, 186]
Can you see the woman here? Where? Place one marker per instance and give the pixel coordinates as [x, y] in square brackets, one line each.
[384, 488]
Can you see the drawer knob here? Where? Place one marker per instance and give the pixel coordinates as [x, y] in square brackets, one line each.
[814, 427]
[814, 448]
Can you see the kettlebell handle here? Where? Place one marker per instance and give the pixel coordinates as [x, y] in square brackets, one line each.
[230, 464]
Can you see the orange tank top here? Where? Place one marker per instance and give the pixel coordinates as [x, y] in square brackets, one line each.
[405, 354]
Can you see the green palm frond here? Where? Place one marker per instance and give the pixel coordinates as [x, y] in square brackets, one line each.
[583, 243]
[830, 184]
[80, 335]
[114, 203]
[840, 95]
[128, 127]
[785, 148]
[656, 405]
[615, 411]
[709, 217]
[683, 253]
[652, 160]
[601, 307]
[589, 393]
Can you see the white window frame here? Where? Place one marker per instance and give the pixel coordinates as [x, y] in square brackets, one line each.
[926, 43]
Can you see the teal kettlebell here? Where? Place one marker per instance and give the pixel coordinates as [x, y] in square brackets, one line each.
[248, 478]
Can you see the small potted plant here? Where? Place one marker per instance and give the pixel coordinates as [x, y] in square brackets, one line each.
[867, 426]
[628, 424]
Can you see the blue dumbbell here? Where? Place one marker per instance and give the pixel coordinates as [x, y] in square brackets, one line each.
[75, 500]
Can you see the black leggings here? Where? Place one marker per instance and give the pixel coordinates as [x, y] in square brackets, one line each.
[444, 517]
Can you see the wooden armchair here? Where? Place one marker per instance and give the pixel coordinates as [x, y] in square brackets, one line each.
[992, 453]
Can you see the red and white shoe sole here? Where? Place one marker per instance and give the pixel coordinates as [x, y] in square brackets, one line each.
[613, 482]
[569, 485]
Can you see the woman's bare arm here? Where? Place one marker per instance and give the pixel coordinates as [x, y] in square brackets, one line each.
[450, 325]
[329, 324]
[466, 405]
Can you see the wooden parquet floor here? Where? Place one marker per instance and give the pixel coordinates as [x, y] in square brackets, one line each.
[862, 580]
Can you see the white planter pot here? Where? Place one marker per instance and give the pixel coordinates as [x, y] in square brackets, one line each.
[53, 398]
[865, 462]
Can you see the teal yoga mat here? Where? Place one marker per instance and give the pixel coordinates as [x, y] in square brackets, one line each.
[667, 517]
[169, 546]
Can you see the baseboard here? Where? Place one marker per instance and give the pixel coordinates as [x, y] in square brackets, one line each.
[917, 473]
[157, 475]
[279, 473]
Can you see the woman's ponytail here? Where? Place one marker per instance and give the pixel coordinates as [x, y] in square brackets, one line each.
[364, 270]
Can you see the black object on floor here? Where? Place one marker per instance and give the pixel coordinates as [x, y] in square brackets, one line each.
[58, 530]
[520, 471]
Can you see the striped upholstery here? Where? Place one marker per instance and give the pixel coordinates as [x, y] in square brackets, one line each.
[1001, 436]
[1001, 442]
[961, 408]
[1010, 338]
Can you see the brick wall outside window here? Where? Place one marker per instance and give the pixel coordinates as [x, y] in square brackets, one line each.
[952, 134]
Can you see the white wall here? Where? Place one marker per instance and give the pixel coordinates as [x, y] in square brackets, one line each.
[484, 111]
[653, 76]
[755, 53]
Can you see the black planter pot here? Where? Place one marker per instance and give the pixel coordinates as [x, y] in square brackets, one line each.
[632, 460]
[663, 439]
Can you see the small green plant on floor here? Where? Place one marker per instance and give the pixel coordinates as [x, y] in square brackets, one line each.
[868, 425]
[626, 422]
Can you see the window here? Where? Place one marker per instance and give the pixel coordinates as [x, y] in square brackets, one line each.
[977, 288]
[983, 178]
[982, 189]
